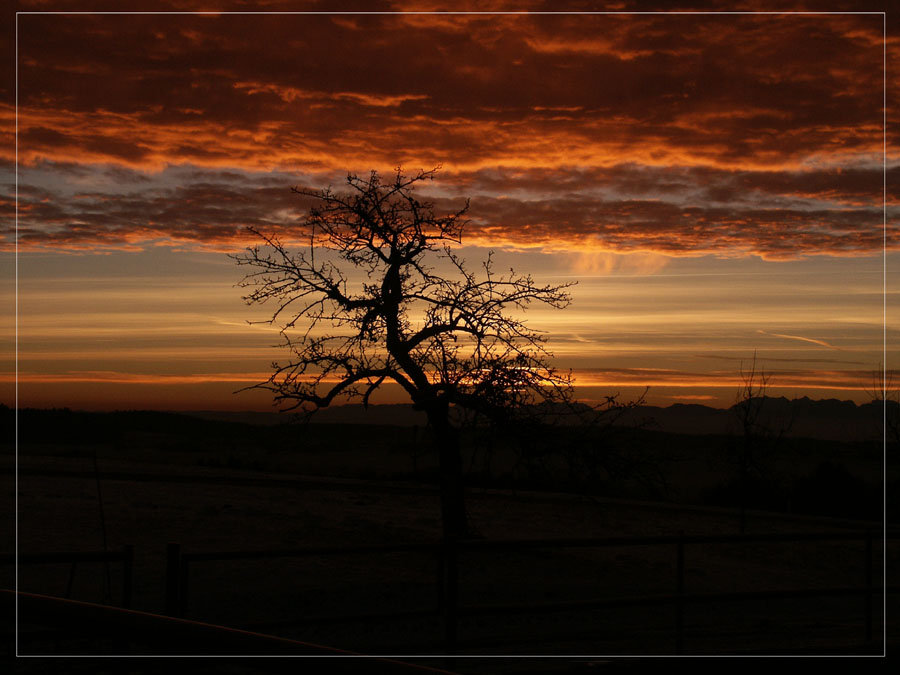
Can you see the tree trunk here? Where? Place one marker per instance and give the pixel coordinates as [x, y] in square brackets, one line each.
[453, 508]
[453, 515]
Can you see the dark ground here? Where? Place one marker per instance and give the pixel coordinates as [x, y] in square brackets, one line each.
[213, 486]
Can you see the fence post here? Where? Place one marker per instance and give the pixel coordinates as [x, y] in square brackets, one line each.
[183, 587]
[450, 579]
[127, 576]
[869, 560]
[440, 579]
[679, 590]
[173, 567]
[71, 581]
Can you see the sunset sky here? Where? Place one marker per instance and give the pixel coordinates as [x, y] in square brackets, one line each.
[714, 182]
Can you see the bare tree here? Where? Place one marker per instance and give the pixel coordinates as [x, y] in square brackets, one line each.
[750, 400]
[886, 392]
[762, 429]
[446, 338]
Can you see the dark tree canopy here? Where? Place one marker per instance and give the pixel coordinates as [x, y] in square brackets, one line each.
[445, 337]
[377, 295]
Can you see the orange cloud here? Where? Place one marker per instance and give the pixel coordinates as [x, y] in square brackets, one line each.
[846, 380]
[480, 90]
[596, 215]
[659, 135]
[112, 377]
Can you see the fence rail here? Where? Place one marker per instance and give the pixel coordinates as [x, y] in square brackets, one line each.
[173, 636]
[594, 542]
[125, 556]
[310, 551]
[447, 555]
[447, 582]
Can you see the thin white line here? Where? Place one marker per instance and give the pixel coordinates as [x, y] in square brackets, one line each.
[884, 335]
[452, 13]
[592, 657]
[16, 396]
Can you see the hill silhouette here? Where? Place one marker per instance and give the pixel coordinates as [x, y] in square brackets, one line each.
[826, 419]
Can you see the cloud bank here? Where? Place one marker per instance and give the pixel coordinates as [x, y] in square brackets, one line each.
[664, 135]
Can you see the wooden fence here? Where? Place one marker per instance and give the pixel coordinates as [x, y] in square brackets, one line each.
[170, 636]
[448, 553]
[72, 558]
[447, 556]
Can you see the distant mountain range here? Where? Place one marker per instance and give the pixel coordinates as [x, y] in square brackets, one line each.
[828, 419]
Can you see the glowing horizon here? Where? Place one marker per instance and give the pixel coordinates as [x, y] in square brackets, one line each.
[714, 182]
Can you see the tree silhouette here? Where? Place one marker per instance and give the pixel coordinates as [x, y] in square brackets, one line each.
[446, 337]
[885, 392]
[761, 430]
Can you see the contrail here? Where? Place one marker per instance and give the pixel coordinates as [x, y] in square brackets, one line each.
[821, 343]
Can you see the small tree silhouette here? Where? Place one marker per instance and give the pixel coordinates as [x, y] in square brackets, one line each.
[761, 430]
[445, 337]
[886, 391]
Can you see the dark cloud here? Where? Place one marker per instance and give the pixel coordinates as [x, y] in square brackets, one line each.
[687, 185]
[711, 89]
[635, 225]
[678, 134]
[204, 214]
[615, 210]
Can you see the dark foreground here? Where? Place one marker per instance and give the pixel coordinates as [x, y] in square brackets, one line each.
[613, 577]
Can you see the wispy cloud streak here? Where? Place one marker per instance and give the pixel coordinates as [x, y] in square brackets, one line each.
[821, 343]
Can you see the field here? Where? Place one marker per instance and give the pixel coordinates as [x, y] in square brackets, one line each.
[157, 489]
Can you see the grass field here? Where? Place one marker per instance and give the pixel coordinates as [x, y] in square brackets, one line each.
[155, 491]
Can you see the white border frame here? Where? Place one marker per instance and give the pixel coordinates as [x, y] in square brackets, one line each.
[480, 13]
